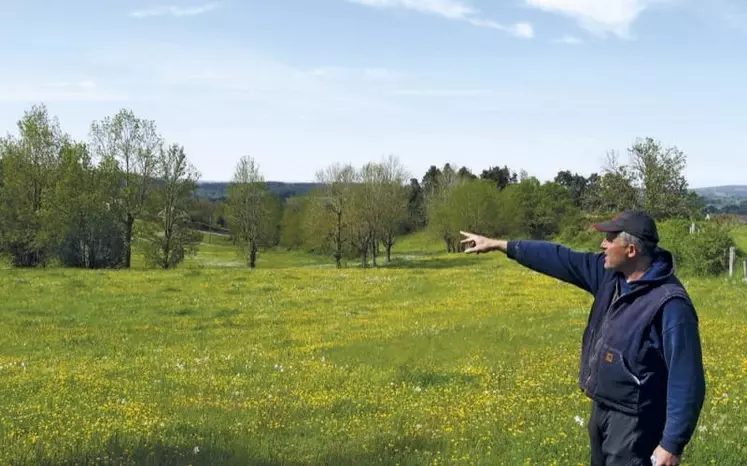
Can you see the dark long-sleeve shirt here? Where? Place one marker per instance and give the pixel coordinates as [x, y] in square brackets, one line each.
[677, 337]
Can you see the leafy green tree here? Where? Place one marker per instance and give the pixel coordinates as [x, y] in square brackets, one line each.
[430, 181]
[415, 206]
[590, 202]
[330, 222]
[250, 216]
[541, 209]
[292, 235]
[363, 215]
[274, 209]
[502, 177]
[321, 227]
[617, 190]
[477, 207]
[442, 208]
[29, 169]
[167, 235]
[466, 173]
[658, 172]
[575, 184]
[394, 202]
[133, 144]
[82, 225]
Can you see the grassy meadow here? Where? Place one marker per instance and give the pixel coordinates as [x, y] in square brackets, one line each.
[432, 359]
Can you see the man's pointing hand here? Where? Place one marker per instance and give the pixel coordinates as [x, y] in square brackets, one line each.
[478, 244]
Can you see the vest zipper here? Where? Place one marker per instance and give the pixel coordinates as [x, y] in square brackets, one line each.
[602, 331]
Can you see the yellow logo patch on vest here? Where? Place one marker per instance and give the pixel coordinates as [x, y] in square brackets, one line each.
[609, 357]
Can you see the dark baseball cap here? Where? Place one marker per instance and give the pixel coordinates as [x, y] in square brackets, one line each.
[634, 222]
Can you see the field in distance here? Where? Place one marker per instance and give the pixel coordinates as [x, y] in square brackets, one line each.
[434, 359]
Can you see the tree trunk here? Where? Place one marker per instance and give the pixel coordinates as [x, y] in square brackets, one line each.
[338, 258]
[338, 241]
[374, 251]
[166, 250]
[252, 254]
[128, 241]
[388, 245]
[364, 255]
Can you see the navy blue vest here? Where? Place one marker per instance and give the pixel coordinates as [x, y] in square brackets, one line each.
[619, 366]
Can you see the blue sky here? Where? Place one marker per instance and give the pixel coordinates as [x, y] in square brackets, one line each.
[539, 85]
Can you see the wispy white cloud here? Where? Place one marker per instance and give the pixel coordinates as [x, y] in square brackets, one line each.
[447, 8]
[454, 10]
[597, 16]
[444, 92]
[218, 72]
[570, 40]
[174, 10]
[523, 29]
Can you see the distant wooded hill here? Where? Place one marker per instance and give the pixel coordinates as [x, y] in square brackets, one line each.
[734, 191]
[219, 190]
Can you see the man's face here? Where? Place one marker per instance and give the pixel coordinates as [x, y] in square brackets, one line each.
[617, 253]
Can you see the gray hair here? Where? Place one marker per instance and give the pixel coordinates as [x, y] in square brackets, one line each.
[645, 248]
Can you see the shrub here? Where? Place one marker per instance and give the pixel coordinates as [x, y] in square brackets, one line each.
[579, 234]
[702, 253]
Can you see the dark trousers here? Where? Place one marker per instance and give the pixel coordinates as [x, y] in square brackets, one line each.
[619, 439]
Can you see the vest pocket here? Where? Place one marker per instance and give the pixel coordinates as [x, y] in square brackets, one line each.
[616, 384]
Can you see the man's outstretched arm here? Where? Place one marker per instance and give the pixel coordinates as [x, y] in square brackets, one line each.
[584, 270]
[686, 381]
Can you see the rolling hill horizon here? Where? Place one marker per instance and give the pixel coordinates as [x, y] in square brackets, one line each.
[285, 189]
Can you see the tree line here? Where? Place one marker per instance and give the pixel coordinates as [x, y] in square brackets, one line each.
[86, 204]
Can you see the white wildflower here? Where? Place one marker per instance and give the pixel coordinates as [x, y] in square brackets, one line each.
[579, 421]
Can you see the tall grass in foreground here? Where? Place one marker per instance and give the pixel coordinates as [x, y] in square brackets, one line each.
[434, 359]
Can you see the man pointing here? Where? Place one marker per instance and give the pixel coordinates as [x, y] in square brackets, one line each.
[641, 361]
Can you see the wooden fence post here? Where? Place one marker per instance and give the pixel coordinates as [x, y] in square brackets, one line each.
[732, 253]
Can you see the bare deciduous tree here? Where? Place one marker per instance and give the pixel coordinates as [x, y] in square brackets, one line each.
[336, 197]
[248, 204]
[168, 237]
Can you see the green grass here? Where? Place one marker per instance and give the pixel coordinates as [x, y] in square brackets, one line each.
[222, 253]
[433, 359]
[739, 234]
